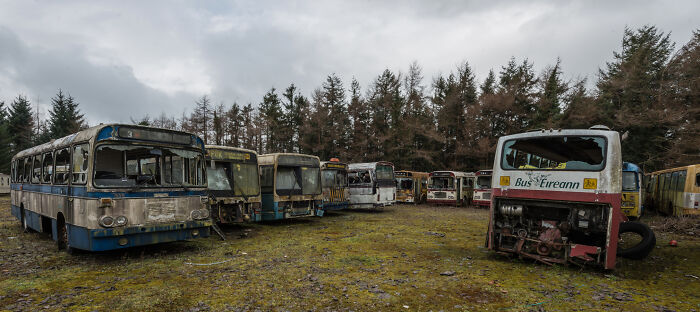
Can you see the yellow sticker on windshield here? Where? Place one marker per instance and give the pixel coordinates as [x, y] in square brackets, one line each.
[590, 184]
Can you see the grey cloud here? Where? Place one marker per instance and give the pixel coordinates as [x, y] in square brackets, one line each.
[105, 93]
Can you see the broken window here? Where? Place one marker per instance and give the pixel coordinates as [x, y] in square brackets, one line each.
[130, 166]
[359, 177]
[483, 182]
[442, 183]
[80, 163]
[555, 152]
[62, 172]
[47, 171]
[334, 178]
[404, 184]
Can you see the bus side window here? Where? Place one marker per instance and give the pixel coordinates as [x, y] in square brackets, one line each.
[697, 179]
[47, 170]
[681, 181]
[61, 170]
[80, 163]
[36, 169]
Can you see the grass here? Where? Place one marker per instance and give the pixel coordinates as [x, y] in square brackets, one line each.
[349, 260]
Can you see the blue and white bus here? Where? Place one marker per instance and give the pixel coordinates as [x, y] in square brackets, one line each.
[113, 186]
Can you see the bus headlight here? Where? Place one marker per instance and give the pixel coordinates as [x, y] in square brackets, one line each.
[195, 214]
[204, 213]
[121, 221]
[106, 221]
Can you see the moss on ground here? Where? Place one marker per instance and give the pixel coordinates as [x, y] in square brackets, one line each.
[349, 260]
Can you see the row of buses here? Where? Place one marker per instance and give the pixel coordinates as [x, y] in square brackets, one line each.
[115, 186]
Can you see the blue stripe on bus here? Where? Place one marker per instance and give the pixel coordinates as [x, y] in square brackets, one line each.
[336, 205]
[108, 239]
[81, 191]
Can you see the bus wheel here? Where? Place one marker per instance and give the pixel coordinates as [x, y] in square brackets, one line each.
[641, 249]
[23, 220]
[62, 232]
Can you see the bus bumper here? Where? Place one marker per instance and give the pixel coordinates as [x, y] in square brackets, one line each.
[442, 201]
[117, 238]
[335, 205]
[482, 203]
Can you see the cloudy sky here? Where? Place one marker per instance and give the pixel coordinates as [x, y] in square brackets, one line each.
[125, 59]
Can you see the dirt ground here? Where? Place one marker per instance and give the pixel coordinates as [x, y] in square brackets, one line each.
[405, 258]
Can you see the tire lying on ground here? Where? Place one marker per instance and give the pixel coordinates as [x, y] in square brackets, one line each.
[644, 247]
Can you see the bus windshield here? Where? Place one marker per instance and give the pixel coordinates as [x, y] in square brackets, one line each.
[585, 153]
[404, 184]
[133, 166]
[333, 178]
[483, 182]
[384, 172]
[298, 180]
[629, 181]
[442, 183]
[241, 179]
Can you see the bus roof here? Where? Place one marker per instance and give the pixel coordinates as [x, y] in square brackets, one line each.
[628, 166]
[561, 132]
[325, 163]
[485, 172]
[412, 173]
[88, 134]
[454, 173]
[230, 148]
[269, 159]
[696, 167]
[369, 165]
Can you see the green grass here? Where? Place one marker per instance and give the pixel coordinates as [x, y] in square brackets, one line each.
[349, 260]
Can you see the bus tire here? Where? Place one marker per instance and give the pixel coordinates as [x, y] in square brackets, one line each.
[644, 247]
[62, 240]
[23, 220]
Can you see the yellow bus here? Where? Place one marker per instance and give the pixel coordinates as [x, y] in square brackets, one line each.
[632, 190]
[411, 186]
[676, 191]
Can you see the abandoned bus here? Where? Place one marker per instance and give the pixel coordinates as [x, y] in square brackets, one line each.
[676, 191]
[557, 196]
[290, 185]
[233, 184]
[450, 187]
[632, 191]
[372, 185]
[113, 186]
[411, 186]
[482, 190]
[334, 184]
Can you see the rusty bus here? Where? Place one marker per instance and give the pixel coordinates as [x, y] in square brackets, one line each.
[372, 185]
[411, 186]
[113, 186]
[334, 184]
[450, 187]
[290, 185]
[557, 197]
[676, 191]
[632, 191]
[233, 184]
[482, 188]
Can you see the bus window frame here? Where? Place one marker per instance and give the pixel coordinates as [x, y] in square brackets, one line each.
[603, 167]
[72, 172]
[66, 181]
[34, 175]
[43, 168]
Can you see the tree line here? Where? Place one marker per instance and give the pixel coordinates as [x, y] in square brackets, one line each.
[649, 90]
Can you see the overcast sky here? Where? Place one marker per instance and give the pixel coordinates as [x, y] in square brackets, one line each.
[125, 59]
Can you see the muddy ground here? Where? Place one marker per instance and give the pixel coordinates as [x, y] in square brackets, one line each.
[405, 258]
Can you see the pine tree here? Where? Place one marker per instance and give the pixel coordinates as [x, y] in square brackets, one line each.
[233, 127]
[21, 124]
[271, 118]
[628, 94]
[551, 96]
[5, 139]
[201, 118]
[359, 114]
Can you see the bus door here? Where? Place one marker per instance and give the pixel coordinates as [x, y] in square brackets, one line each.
[458, 191]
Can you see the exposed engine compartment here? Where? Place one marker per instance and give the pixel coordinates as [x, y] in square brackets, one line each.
[551, 231]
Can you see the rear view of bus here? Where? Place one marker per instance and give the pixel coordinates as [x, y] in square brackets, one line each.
[334, 184]
[632, 191]
[482, 189]
[113, 186]
[233, 184]
[557, 195]
[290, 185]
[372, 185]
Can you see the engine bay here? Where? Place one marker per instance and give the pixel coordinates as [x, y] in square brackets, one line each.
[551, 231]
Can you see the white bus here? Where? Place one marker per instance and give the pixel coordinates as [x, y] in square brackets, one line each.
[450, 187]
[372, 185]
[557, 196]
[113, 186]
